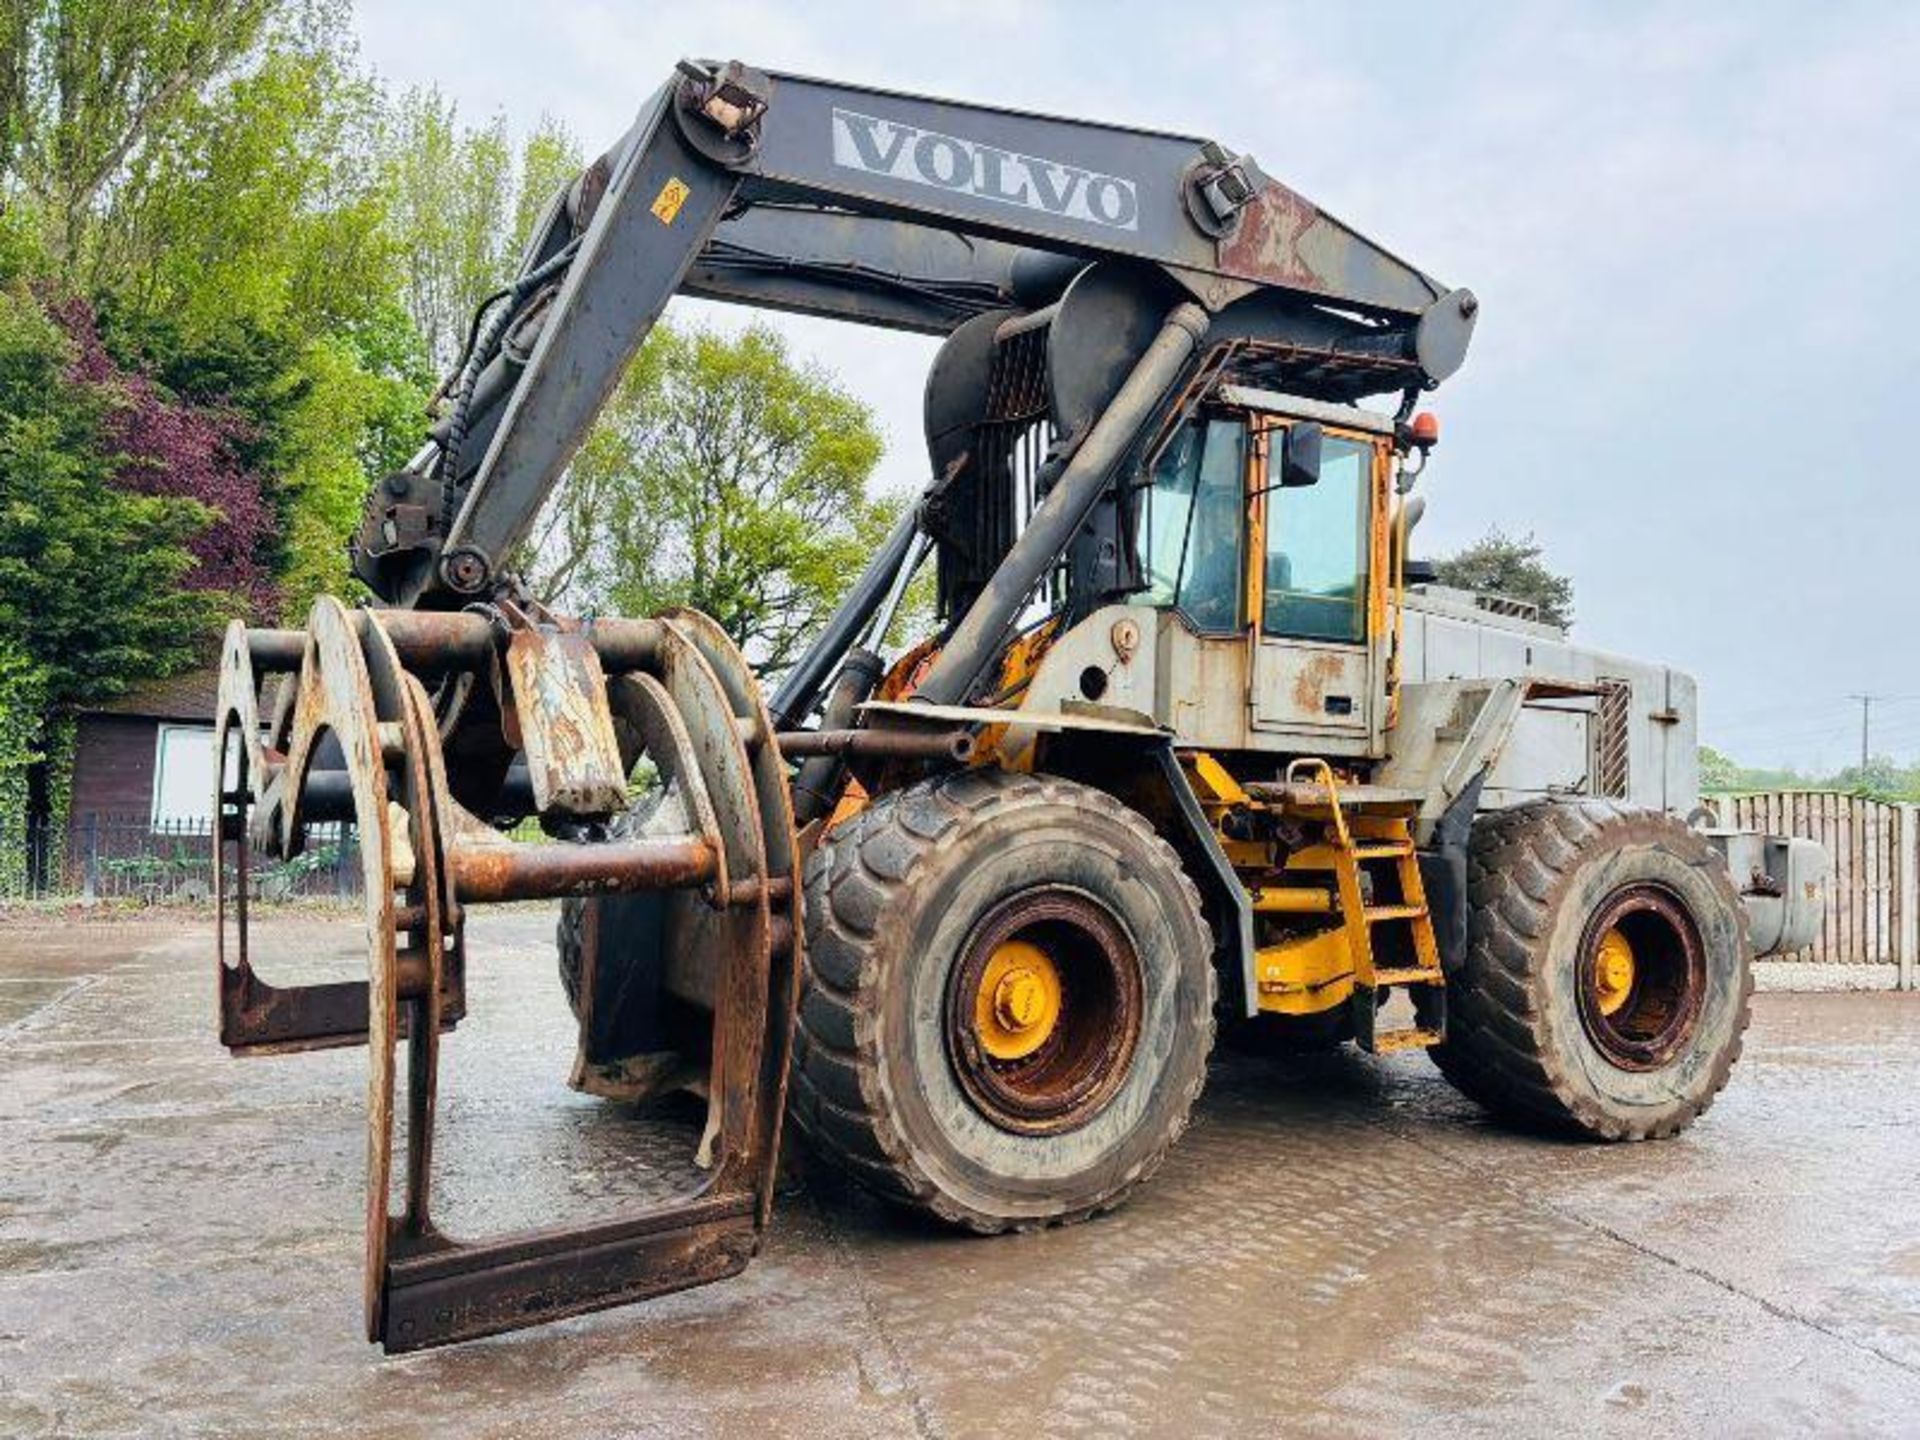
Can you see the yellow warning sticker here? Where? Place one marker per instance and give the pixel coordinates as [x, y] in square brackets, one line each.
[673, 194]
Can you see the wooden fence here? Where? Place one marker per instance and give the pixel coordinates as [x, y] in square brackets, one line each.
[1873, 884]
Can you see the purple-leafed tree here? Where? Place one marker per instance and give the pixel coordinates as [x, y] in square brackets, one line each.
[165, 446]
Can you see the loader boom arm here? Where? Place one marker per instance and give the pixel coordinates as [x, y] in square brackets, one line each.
[835, 200]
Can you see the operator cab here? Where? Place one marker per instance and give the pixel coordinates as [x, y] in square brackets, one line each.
[1261, 514]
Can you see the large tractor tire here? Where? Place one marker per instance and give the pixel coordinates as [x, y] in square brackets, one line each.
[1607, 981]
[1008, 1000]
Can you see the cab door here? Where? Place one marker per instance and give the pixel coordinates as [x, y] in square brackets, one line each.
[1315, 588]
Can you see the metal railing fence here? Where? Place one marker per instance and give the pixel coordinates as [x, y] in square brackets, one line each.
[133, 857]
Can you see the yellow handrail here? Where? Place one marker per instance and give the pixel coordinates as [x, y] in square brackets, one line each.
[1315, 763]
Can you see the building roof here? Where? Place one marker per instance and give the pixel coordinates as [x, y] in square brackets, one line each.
[191, 696]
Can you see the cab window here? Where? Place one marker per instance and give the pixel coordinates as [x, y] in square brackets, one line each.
[1316, 575]
[1196, 515]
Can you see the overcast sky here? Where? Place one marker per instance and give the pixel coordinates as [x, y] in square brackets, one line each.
[1693, 231]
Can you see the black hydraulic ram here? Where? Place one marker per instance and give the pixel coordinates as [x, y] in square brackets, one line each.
[800, 690]
[954, 745]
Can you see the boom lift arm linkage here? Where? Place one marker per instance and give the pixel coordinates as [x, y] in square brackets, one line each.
[863, 205]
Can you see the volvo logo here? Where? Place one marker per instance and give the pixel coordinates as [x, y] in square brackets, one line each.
[926, 157]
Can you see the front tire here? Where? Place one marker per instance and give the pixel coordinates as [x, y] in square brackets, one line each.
[1008, 1000]
[1607, 982]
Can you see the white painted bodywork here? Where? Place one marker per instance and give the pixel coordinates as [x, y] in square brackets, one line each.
[1555, 743]
[1199, 688]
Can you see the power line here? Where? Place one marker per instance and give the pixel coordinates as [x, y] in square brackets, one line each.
[1777, 735]
[1892, 737]
[1898, 738]
[1774, 733]
[1802, 715]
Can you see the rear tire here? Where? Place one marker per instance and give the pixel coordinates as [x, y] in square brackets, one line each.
[909, 906]
[1540, 1029]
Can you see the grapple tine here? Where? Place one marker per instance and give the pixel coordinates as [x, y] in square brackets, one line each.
[254, 795]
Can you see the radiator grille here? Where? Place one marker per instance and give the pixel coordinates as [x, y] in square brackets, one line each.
[1612, 737]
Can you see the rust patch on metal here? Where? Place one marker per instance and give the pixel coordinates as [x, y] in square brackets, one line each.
[1086, 1059]
[505, 871]
[728, 937]
[1670, 984]
[565, 729]
[1272, 240]
[1310, 683]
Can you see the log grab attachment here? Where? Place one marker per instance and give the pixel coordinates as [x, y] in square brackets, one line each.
[694, 911]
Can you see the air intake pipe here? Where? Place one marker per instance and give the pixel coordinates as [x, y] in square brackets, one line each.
[978, 638]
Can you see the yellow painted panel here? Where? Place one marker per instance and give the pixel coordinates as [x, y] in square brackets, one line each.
[1305, 974]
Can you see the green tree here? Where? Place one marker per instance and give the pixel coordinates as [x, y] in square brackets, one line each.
[90, 574]
[1500, 564]
[242, 255]
[85, 84]
[1718, 773]
[22, 749]
[205, 355]
[726, 476]
[452, 213]
[353, 412]
[549, 159]
[463, 208]
[258, 204]
[204, 159]
[1881, 778]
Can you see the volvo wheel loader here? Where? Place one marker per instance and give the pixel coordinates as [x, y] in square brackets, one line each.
[1192, 747]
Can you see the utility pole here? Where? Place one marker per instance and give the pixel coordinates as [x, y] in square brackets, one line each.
[1866, 722]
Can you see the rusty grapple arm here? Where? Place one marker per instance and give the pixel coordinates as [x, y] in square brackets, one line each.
[370, 707]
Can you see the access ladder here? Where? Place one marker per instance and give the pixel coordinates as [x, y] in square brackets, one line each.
[1363, 841]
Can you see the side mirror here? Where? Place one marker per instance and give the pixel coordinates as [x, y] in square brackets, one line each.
[1300, 456]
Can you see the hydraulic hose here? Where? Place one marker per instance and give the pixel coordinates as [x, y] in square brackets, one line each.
[490, 324]
[794, 700]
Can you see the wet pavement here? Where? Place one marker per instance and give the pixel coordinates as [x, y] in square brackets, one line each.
[1338, 1246]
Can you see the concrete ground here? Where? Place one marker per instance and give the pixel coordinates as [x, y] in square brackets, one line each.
[1338, 1246]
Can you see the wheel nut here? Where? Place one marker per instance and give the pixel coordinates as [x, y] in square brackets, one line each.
[1018, 999]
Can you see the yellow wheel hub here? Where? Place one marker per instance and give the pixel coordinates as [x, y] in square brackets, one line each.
[1613, 969]
[1018, 1002]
